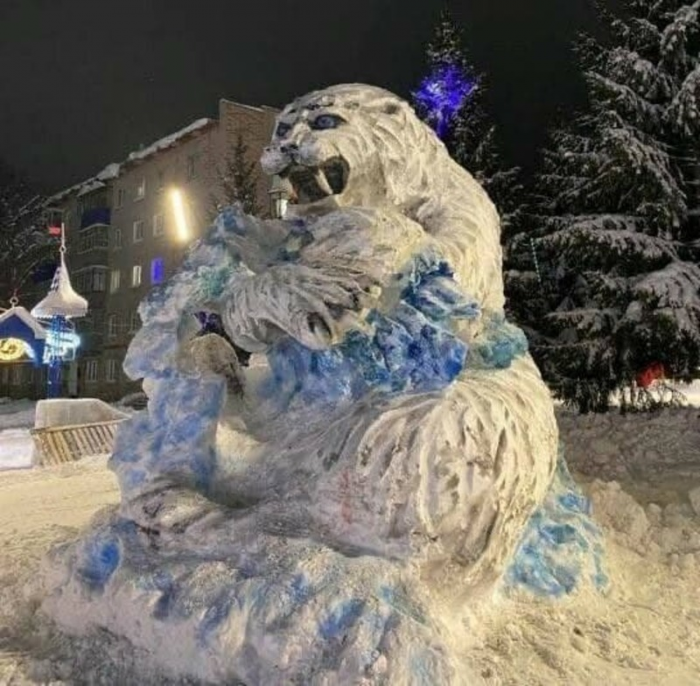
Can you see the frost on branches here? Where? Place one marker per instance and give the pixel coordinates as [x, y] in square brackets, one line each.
[449, 99]
[606, 279]
[23, 239]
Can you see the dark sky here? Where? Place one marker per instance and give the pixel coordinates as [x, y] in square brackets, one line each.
[83, 82]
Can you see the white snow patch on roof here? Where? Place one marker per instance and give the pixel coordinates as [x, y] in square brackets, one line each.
[167, 141]
[111, 171]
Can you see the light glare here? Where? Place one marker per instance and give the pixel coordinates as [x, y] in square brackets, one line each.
[179, 212]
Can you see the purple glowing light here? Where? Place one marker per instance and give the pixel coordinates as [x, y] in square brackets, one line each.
[442, 94]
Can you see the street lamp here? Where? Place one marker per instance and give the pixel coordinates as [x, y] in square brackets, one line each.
[279, 197]
[178, 204]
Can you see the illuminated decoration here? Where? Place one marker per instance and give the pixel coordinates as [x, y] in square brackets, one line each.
[61, 341]
[12, 349]
[442, 94]
[183, 232]
[60, 305]
[18, 326]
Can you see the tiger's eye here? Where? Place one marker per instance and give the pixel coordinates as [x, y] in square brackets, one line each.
[282, 129]
[326, 121]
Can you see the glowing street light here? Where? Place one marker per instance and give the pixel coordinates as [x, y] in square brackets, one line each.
[178, 203]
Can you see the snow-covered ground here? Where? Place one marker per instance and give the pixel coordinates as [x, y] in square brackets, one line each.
[641, 471]
[16, 418]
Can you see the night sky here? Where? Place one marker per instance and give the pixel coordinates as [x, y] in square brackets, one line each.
[83, 82]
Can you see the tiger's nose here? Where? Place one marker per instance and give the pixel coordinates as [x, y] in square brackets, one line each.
[289, 148]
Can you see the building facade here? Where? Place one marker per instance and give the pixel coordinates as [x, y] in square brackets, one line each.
[127, 229]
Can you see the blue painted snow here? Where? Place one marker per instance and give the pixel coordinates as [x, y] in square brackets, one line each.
[341, 619]
[100, 559]
[561, 549]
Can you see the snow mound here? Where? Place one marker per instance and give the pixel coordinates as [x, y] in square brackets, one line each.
[68, 412]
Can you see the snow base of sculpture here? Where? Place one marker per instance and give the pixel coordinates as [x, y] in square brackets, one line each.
[286, 611]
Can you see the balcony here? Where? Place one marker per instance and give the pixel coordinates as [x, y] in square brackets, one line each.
[95, 215]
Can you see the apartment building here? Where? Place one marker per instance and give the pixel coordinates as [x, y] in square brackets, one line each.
[127, 229]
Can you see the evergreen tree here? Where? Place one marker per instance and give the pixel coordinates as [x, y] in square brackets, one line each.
[24, 240]
[239, 178]
[449, 99]
[613, 217]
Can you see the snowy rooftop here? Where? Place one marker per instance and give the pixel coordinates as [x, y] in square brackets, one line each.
[28, 319]
[111, 171]
[167, 141]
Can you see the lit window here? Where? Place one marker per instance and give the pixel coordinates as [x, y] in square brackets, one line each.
[191, 167]
[117, 238]
[112, 371]
[136, 275]
[141, 190]
[135, 322]
[91, 371]
[138, 231]
[157, 270]
[114, 279]
[158, 225]
[113, 325]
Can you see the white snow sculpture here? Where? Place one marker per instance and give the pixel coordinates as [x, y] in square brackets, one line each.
[396, 418]
[451, 466]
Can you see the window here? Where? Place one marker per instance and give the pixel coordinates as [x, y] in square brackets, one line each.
[94, 237]
[112, 371]
[114, 279]
[138, 230]
[141, 189]
[134, 322]
[5, 374]
[54, 217]
[157, 270]
[113, 325]
[17, 374]
[161, 180]
[158, 225]
[91, 371]
[191, 167]
[121, 197]
[117, 238]
[136, 275]
[99, 280]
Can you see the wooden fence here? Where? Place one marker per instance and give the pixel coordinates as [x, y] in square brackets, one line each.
[57, 444]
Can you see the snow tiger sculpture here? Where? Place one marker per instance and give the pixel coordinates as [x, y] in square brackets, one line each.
[401, 414]
[330, 510]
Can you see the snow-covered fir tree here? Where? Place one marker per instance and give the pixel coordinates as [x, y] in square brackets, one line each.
[24, 240]
[613, 227]
[238, 179]
[450, 99]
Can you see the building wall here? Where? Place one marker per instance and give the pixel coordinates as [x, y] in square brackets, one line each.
[141, 233]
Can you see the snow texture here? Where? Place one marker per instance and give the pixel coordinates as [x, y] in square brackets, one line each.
[268, 515]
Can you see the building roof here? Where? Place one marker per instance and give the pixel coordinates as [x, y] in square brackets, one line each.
[168, 141]
[112, 171]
